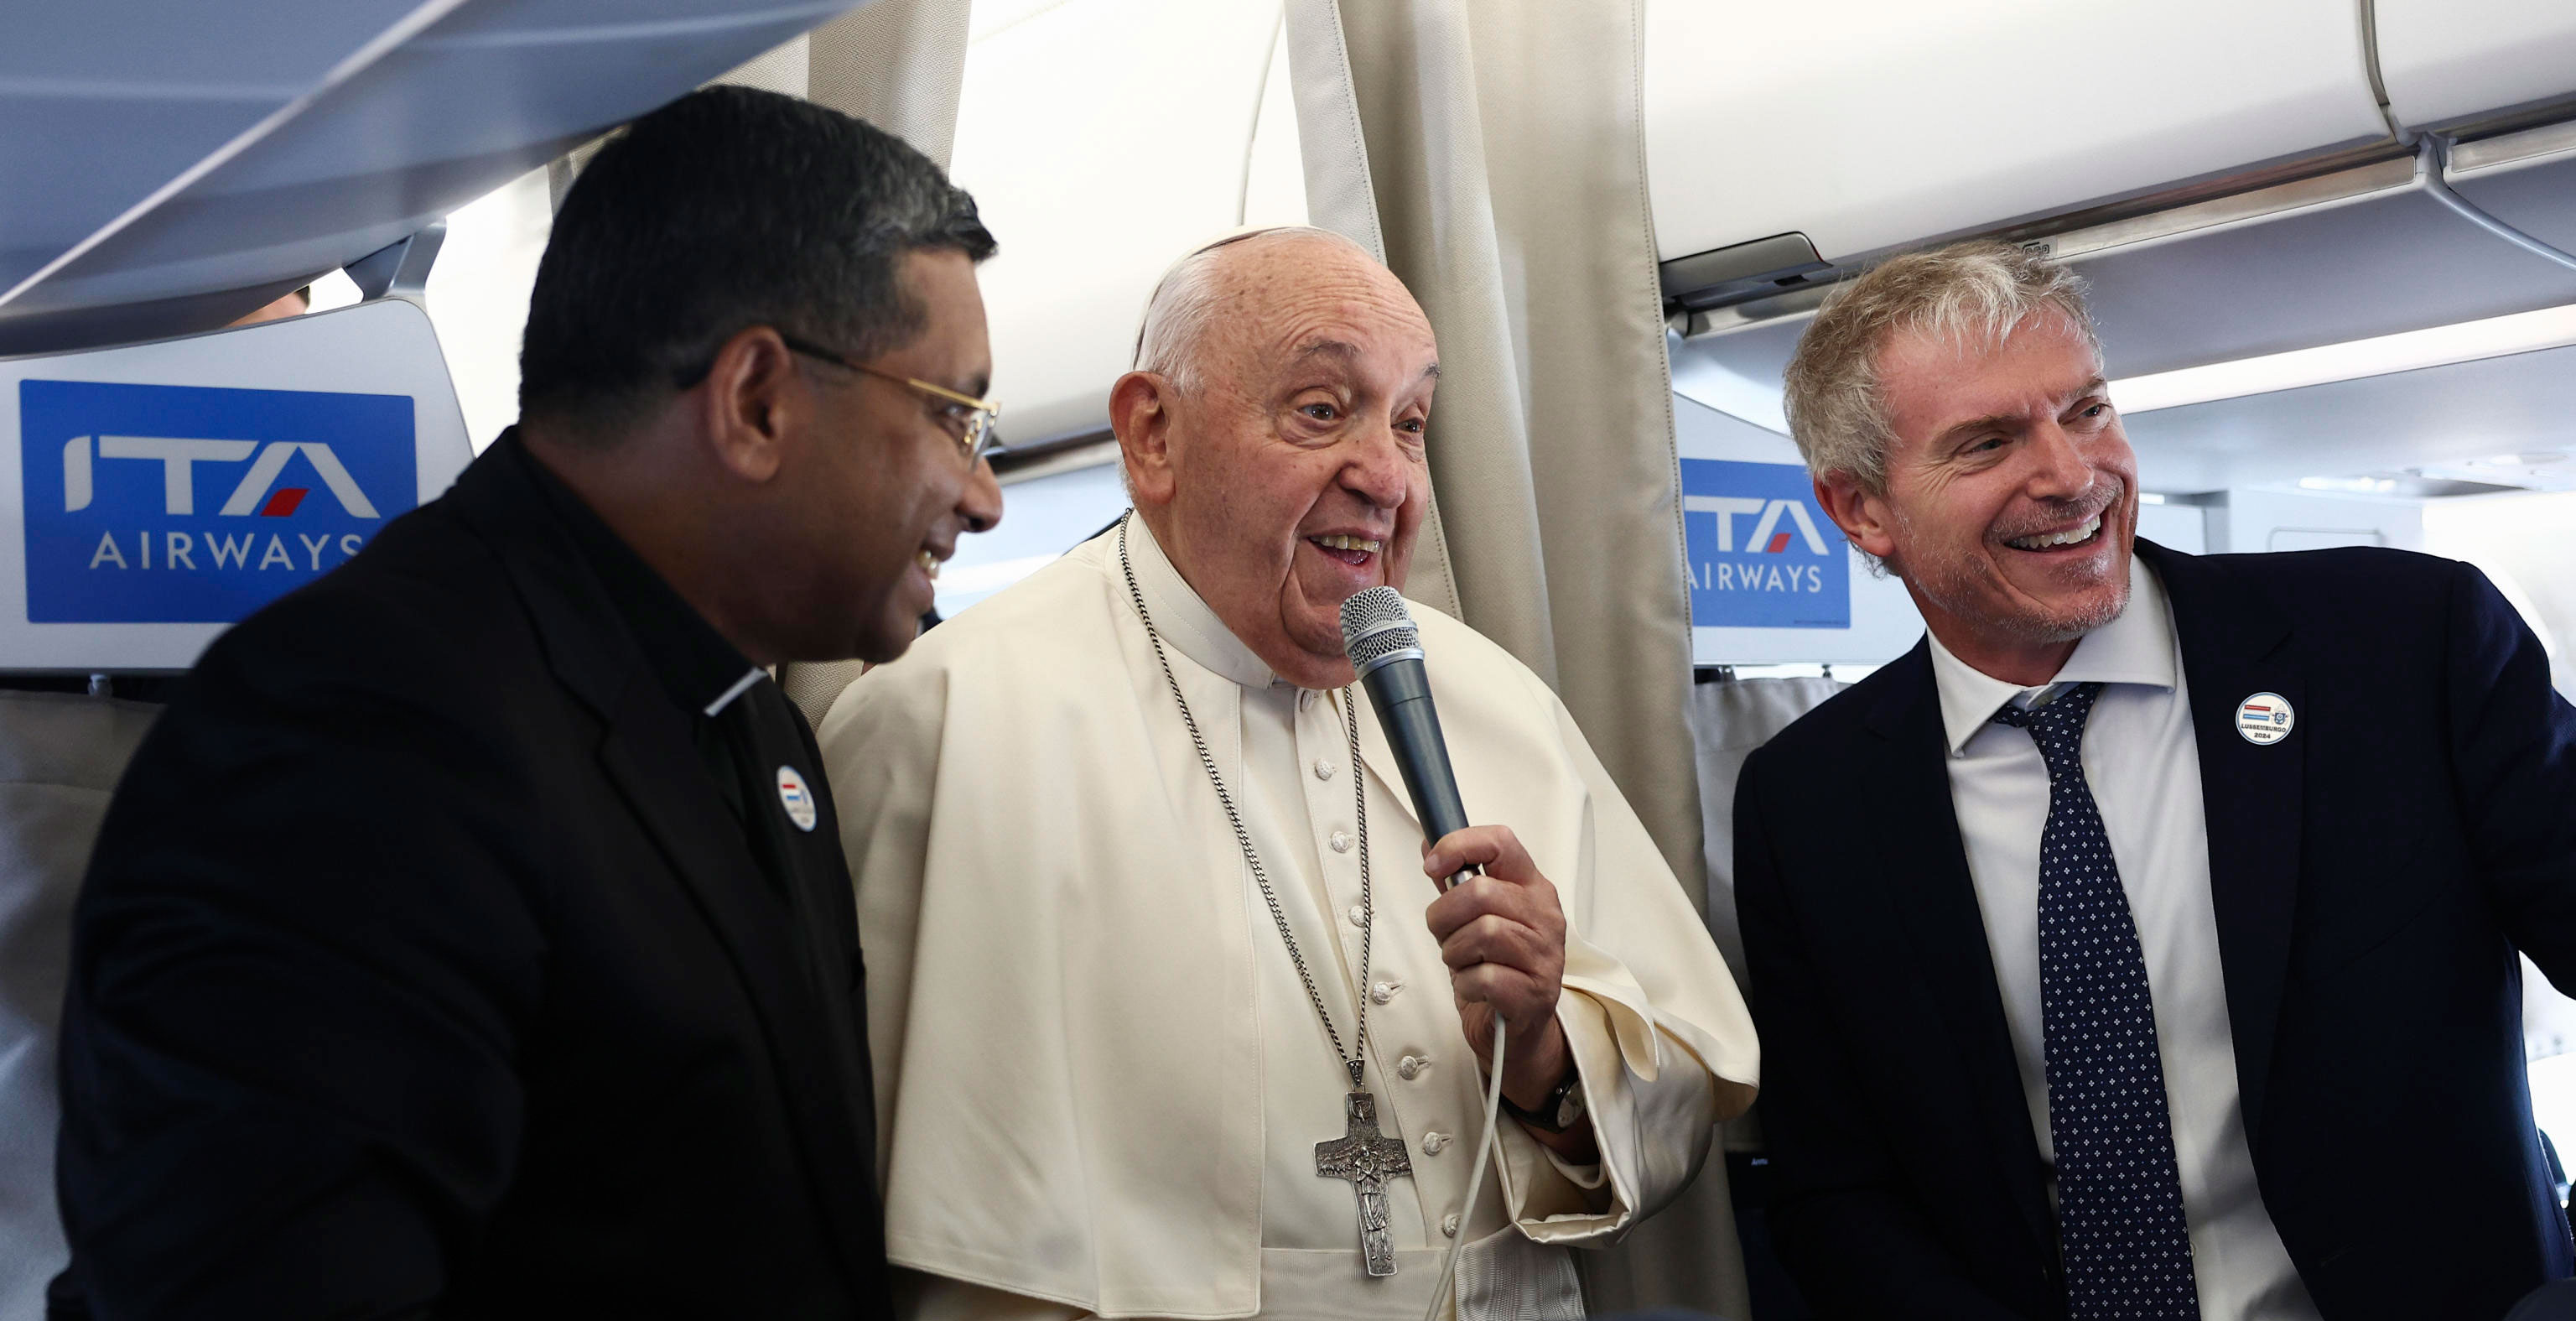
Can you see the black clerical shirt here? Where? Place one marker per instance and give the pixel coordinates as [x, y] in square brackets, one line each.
[758, 750]
[705, 675]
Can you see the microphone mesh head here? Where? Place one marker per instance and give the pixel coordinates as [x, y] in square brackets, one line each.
[1375, 625]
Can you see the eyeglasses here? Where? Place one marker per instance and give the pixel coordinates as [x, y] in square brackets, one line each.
[969, 420]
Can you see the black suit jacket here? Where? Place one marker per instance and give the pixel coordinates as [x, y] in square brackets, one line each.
[421, 968]
[2373, 874]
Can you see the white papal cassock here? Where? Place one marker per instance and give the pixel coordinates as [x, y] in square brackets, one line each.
[1099, 1081]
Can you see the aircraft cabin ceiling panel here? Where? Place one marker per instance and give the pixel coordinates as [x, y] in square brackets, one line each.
[473, 99]
[2448, 60]
[2536, 196]
[2393, 262]
[1865, 124]
[2437, 415]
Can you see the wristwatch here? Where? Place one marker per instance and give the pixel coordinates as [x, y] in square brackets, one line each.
[1563, 1108]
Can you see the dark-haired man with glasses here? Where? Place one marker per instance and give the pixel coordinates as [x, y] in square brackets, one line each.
[474, 938]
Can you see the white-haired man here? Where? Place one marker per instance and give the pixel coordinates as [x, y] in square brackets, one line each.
[1149, 917]
[2173, 974]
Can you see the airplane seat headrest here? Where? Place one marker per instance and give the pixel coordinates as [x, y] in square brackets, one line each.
[164, 491]
[814, 685]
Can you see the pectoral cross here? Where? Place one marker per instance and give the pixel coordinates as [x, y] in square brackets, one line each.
[1368, 1159]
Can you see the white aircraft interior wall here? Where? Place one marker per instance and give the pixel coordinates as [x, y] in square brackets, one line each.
[1042, 518]
[478, 298]
[1093, 180]
[2526, 545]
[1093, 186]
[2264, 520]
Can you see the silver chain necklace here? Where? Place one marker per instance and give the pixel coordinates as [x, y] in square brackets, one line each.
[1361, 1155]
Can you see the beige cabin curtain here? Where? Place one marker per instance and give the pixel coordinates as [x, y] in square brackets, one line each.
[898, 65]
[1493, 152]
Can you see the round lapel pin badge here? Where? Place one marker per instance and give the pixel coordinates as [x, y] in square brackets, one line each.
[2265, 718]
[796, 798]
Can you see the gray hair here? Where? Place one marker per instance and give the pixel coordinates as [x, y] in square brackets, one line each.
[1982, 290]
[1186, 301]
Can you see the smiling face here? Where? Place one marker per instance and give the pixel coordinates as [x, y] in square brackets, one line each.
[880, 492]
[2011, 496]
[1290, 473]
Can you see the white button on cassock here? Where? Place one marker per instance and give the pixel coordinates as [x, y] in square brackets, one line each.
[1358, 916]
[1341, 842]
[1323, 769]
[1449, 1224]
[1434, 1142]
[1385, 990]
[1305, 698]
[1411, 1067]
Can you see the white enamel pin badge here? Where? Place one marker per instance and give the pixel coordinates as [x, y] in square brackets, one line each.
[2265, 718]
[796, 798]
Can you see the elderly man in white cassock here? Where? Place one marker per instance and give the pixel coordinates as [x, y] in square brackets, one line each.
[1169, 1017]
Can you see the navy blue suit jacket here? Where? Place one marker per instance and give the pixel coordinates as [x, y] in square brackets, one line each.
[2373, 875]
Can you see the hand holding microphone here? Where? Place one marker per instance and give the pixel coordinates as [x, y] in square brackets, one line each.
[1503, 936]
[1500, 928]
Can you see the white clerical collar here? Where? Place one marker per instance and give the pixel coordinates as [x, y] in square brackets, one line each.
[2138, 647]
[1184, 619]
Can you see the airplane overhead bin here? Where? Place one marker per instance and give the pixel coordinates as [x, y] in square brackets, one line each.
[2164, 131]
[2444, 63]
[169, 167]
[2236, 178]
[1866, 125]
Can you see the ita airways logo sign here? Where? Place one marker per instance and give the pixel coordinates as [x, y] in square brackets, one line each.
[1762, 553]
[179, 504]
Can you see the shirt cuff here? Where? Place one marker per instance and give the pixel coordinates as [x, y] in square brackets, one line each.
[1551, 1199]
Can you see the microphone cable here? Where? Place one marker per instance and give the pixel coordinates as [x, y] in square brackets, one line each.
[1385, 651]
[1486, 1144]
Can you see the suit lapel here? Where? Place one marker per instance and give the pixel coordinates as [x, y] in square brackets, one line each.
[2232, 635]
[1923, 872]
[648, 755]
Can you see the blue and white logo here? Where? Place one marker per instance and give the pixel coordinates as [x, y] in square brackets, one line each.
[1762, 554]
[183, 504]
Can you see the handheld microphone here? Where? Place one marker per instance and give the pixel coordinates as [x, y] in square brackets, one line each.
[1384, 646]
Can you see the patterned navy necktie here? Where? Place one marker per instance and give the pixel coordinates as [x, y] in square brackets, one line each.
[2120, 1223]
